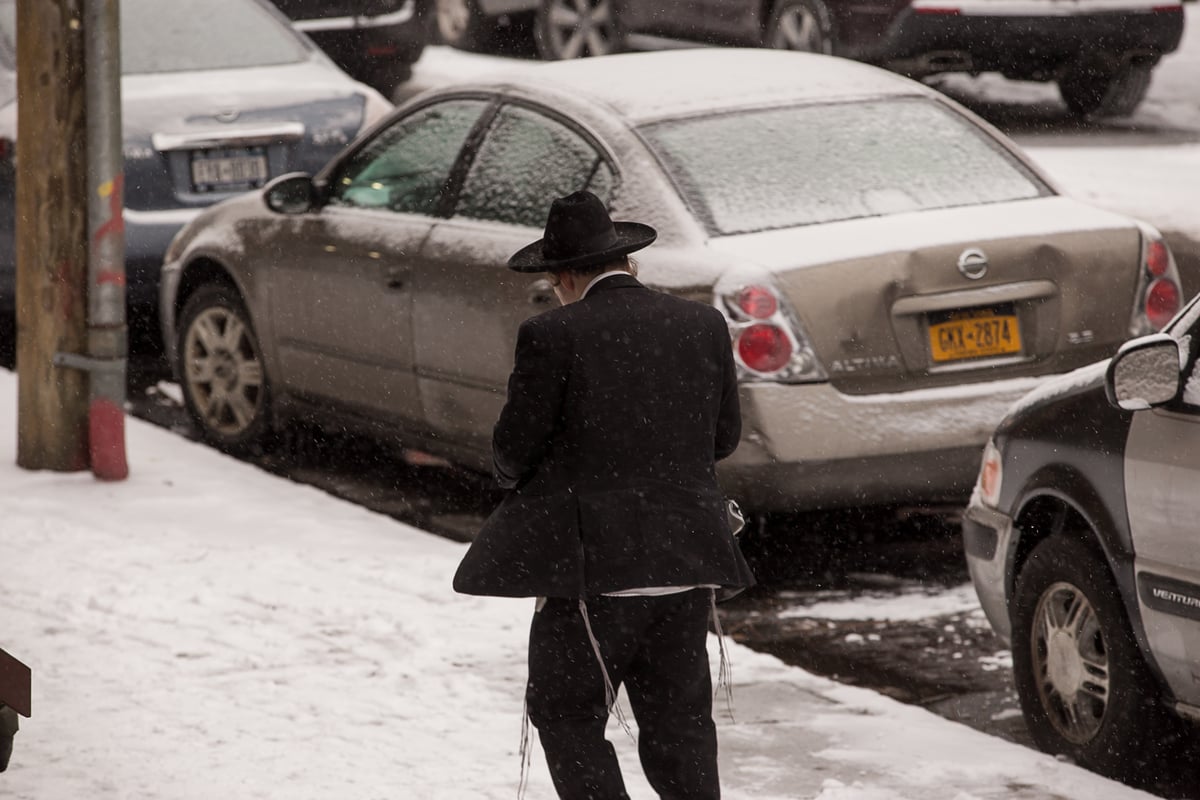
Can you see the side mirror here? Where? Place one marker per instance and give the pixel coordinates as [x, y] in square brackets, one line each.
[293, 193]
[1144, 373]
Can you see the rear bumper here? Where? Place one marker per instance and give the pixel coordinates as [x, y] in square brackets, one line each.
[987, 541]
[358, 42]
[809, 446]
[1022, 38]
[147, 236]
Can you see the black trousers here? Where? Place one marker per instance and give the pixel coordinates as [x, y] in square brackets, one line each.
[655, 646]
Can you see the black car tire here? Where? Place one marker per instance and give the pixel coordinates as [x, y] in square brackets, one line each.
[560, 31]
[804, 25]
[1093, 90]
[462, 25]
[225, 386]
[1070, 632]
[387, 77]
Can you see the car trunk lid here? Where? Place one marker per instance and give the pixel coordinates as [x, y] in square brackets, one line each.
[197, 137]
[955, 296]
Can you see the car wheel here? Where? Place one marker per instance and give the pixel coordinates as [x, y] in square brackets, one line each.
[575, 28]
[224, 384]
[461, 24]
[1085, 690]
[1088, 89]
[800, 25]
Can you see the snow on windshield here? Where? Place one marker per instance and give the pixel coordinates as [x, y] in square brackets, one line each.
[800, 165]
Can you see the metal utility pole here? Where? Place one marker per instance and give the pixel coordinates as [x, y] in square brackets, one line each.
[51, 241]
[60, 338]
[107, 333]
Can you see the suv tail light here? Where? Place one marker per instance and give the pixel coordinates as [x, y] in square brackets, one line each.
[1159, 295]
[768, 341]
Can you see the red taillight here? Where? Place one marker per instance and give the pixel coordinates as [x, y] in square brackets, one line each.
[1162, 302]
[758, 302]
[6, 149]
[764, 348]
[1158, 259]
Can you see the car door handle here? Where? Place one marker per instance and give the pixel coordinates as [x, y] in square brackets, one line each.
[541, 292]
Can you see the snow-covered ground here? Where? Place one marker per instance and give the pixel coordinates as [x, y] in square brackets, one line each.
[207, 630]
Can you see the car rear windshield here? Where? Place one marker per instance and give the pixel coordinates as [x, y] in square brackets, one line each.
[183, 35]
[801, 165]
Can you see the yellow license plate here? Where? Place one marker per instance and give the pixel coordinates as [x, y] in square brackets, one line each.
[980, 333]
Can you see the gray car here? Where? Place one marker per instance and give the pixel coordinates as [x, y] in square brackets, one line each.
[218, 97]
[894, 271]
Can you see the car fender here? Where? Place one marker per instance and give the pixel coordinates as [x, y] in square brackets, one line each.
[1108, 532]
[205, 266]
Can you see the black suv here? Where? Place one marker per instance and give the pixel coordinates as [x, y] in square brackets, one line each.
[1081, 538]
[375, 41]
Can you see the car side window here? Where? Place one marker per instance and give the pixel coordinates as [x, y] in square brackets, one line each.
[527, 160]
[406, 167]
[1189, 343]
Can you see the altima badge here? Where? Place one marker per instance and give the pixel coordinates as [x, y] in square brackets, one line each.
[973, 264]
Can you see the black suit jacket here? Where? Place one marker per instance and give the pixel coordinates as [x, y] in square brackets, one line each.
[618, 408]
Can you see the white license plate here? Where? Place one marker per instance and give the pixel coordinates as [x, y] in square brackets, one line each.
[211, 171]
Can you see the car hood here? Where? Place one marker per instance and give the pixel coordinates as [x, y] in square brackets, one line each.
[871, 293]
[1079, 381]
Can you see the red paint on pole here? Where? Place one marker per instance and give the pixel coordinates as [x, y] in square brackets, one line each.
[111, 276]
[70, 292]
[116, 222]
[106, 440]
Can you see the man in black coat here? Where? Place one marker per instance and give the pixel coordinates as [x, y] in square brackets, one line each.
[619, 405]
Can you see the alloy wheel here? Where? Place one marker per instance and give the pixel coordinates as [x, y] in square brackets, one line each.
[799, 29]
[1070, 660]
[223, 371]
[576, 28]
[453, 19]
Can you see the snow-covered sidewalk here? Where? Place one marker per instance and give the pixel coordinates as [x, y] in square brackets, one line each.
[208, 630]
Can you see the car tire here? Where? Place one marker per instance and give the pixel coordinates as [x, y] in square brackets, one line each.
[561, 31]
[1084, 687]
[463, 25]
[804, 25]
[225, 386]
[1092, 90]
[387, 78]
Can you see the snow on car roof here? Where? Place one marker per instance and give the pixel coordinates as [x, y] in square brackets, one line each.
[670, 83]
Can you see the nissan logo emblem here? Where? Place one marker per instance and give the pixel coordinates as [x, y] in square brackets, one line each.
[973, 264]
[227, 115]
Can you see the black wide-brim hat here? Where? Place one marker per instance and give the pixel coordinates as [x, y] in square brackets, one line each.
[580, 234]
